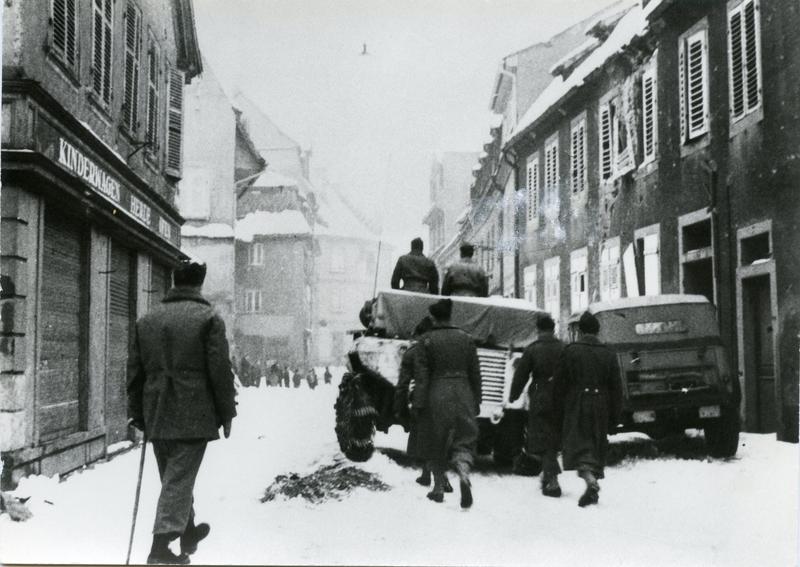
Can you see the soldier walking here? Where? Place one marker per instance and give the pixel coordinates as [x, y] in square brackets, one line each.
[588, 393]
[180, 392]
[447, 400]
[417, 272]
[538, 363]
[465, 277]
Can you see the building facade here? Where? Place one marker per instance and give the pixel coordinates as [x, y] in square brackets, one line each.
[91, 154]
[663, 161]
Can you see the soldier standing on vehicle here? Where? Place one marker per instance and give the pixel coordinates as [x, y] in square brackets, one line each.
[447, 397]
[538, 363]
[180, 392]
[417, 272]
[327, 376]
[588, 393]
[465, 277]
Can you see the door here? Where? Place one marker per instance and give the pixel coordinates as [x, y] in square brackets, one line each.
[120, 324]
[759, 355]
[61, 368]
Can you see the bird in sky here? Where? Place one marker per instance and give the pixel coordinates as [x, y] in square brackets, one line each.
[364, 50]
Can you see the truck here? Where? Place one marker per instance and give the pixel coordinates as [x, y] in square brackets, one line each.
[673, 366]
[501, 328]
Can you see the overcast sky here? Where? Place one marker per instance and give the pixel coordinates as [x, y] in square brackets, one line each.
[375, 121]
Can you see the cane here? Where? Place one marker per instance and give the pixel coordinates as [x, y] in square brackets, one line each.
[136, 499]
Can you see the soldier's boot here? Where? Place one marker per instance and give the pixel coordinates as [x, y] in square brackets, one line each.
[446, 486]
[425, 478]
[161, 554]
[462, 469]
[592, 494]
[193, 535]
[550, 486]
[437, 494]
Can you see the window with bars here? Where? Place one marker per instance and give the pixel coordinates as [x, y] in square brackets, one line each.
[175, 123]
[133, 48]
[579, 280]
[153, 97]
[252, 300]
[693, 84]
[649, 112]
[102, 43]
[551, 173]
[256, 254]
[64, 32]
[744, 58]
[610, 270]
[533, 189]
[578, 157]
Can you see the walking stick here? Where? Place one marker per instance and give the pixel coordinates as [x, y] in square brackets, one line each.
[136, 499]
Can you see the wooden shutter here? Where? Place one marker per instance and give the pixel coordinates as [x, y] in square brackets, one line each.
[697, 84]
[551, 172]
[175, 123]
[121, 315]
[533, 189]
[744, 58]
[102, 58]
[578, 155]
[649, 113]
[133, 47]
[682, 87]
[752, 49]
[736, 63]
[64, 20]
[153, 97]
[605, 142]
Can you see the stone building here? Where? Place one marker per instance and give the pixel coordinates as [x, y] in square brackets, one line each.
[92, 134]
[663, 160]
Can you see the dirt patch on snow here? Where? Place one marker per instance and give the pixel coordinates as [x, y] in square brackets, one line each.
[326, 483]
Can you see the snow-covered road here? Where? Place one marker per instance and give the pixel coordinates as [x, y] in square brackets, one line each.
[652, 511]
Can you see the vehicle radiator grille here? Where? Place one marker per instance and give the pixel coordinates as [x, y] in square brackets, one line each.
[493, 369]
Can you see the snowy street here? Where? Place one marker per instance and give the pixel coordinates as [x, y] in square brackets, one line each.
[653, 510]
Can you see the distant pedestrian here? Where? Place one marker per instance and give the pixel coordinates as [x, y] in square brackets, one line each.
[588, 393]
[311, 378]
[327, 376]
[297, 379]
[245, 371]
[465, 277]
[447, 396]
[286, 377]
[417, 272]
[538, 364]
[255, 379]
[180, 392]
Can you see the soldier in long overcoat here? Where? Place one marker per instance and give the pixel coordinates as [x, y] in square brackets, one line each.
[465, 277]
[447, 396]
[416, 271]
[538, 364]
[180, 392]
[588, 392]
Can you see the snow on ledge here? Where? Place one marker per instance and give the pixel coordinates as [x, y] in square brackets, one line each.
[264, 223]
[211, 230]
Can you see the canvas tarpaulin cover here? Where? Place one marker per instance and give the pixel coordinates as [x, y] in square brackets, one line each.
[497, 321]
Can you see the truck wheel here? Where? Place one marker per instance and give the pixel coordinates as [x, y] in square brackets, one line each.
[722, 434]
[355, 419]
[508, 438]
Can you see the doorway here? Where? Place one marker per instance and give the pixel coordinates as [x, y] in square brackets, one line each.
[759, 354]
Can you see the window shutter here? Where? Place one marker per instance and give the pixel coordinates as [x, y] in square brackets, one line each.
[175, 122]
[153, 104]
[605, 141]
[133, 34]
[649, 114]
[696, 84]
[682, 87]
[578, 151]
[551, 173]
[102, 41]
[65, 26]
[752, 54]
[736, 63]
[533, 189]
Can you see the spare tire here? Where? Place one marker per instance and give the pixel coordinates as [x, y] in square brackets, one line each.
[355, 419]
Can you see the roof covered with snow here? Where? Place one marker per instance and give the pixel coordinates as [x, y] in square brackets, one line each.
[272, 178]
[264, 223]
[211, 230]
[646, 301]
[633, 24]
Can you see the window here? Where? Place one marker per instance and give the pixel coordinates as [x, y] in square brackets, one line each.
[529, 282]
[153, 97]
[255, 254]
[552, 291]
[64, 31]
[649, 112]
[696, 247]
[551, 173]
[606, 148]
[252, 301]
[133, 48]
[616, 157]
[610, 270]
[744, 58]
[175, 123]
[102, 49]
[579, 285]
[533, 189]
[648, 263]
[693, 83]
[578, 157]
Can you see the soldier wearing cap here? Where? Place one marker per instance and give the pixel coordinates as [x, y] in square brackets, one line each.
[588, 394]
[446, 401]
[465, 277]
[180, 392]
[417, 272]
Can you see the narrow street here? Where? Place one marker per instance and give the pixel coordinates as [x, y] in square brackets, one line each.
[680, 508]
